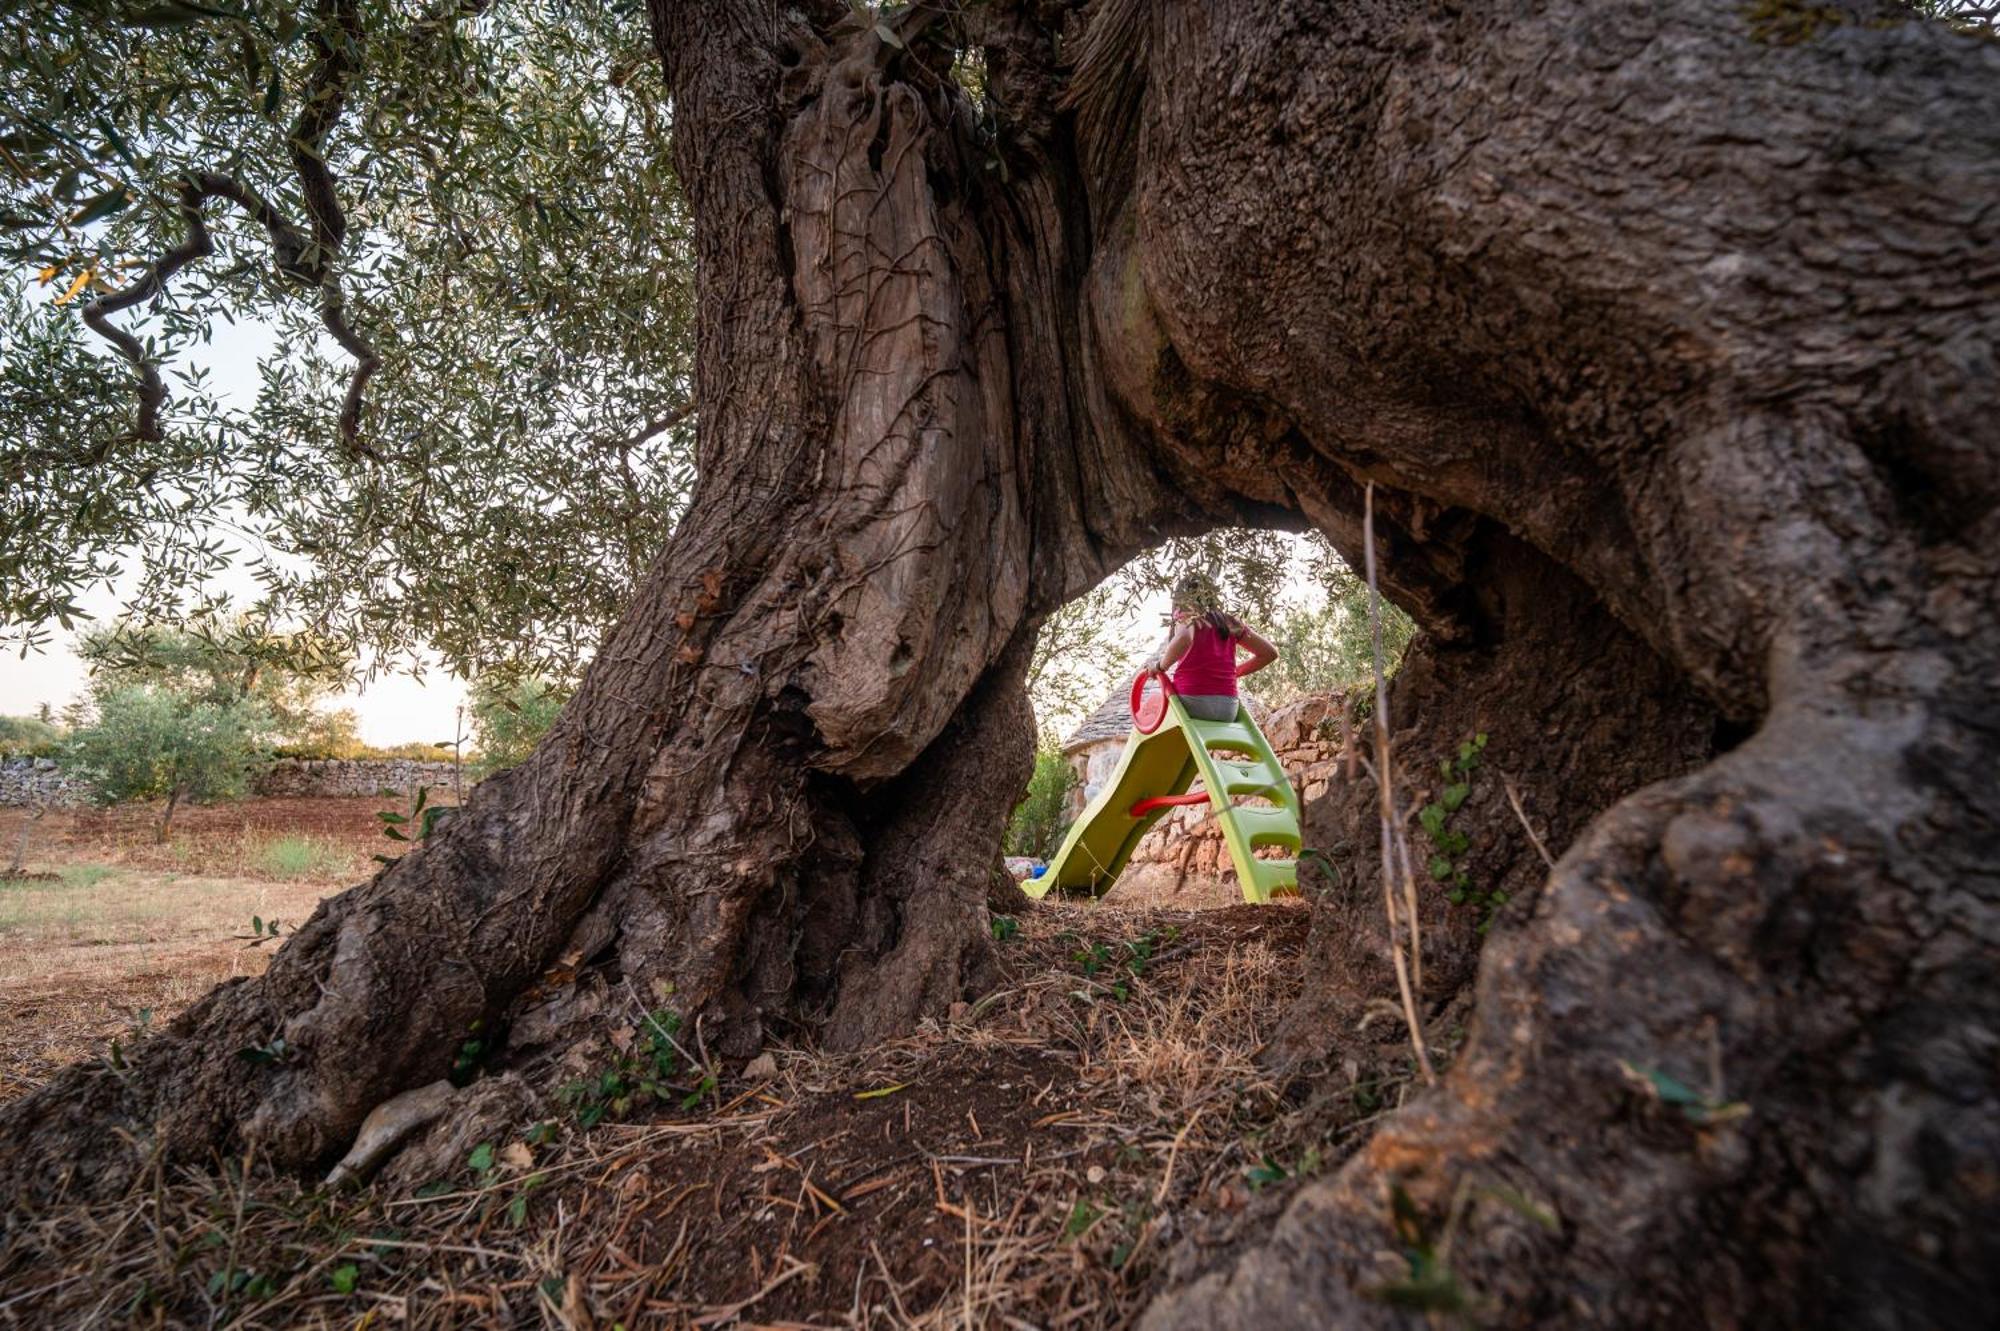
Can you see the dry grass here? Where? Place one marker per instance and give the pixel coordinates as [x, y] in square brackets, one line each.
[1049, 1157]
[84, 957]
[246, 840]
[111, 926]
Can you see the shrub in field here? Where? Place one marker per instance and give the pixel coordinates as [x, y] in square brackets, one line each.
[149, 742]
[509, 716]
[28, 737]
[301, 857]
[1039, 821]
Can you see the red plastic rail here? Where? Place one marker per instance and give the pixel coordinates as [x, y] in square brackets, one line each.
[1146, 806]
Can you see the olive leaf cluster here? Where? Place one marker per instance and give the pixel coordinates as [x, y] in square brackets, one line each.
[453, 226]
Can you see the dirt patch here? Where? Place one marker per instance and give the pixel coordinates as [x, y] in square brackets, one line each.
[111, 932]
[96, 954]
[222, 839]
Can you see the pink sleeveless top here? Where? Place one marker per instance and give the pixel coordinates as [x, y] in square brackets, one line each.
[1209, 667]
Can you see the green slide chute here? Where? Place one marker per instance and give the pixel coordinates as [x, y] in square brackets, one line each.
[1231, 759]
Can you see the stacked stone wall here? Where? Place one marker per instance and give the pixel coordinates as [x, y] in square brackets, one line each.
[31, 781]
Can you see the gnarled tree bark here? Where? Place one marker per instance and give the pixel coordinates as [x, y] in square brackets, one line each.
[1660, 322]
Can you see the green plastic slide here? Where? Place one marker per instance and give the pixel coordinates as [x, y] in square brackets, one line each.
[1231, 759]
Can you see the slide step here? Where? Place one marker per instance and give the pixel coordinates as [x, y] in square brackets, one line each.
[1247, 778]
[1266, 827]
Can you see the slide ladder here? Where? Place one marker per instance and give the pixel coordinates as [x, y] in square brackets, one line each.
[1166, 753]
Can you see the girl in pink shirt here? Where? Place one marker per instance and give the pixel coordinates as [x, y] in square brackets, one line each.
[1202, 651]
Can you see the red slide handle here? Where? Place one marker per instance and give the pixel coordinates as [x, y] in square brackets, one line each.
[1146, 806]
[1149, 709]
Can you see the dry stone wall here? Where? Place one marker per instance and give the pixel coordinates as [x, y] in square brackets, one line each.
[325, 777]
[28, 781]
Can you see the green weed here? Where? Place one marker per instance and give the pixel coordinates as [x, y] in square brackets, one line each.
[1123, 964]
[1448, 844]
[647, 1075]
[300, 857]
[416, 825]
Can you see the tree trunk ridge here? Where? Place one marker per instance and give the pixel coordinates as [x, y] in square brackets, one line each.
[1670, 349]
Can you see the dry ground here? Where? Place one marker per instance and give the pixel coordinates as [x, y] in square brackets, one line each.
[112, 931]
[1049, 1157]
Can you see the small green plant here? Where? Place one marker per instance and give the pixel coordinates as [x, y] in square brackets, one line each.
[472, 1054]
[1264, 1173]
[86, 875]
[1314, 855]
[1702, 1110]
[1081, 1217]
[415, 825]
[142, 1025]
[1005, 928]
[262, 931]
[299, 856]
[1429, 1285]
[646, 1075]
[277, 1051]
[345, 1278]
[240, 1284]
[517, 1205]
[1124, 963]
[1269, 1169]
[1448, 844]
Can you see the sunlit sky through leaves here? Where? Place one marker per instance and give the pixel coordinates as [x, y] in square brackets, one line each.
[394, 708]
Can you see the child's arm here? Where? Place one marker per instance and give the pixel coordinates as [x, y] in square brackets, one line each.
[1261, 652]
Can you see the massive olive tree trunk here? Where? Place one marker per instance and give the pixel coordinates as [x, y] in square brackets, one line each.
[1666, 333]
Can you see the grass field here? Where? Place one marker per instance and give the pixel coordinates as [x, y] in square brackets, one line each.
[110, 931]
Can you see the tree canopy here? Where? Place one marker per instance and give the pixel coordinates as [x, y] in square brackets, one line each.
[458, 234]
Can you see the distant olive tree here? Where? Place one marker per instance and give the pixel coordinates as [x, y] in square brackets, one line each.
[1082, 651]
[1328, 646]
[1039, 821]
[223, 659]
[508, 716]
[147, 741]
